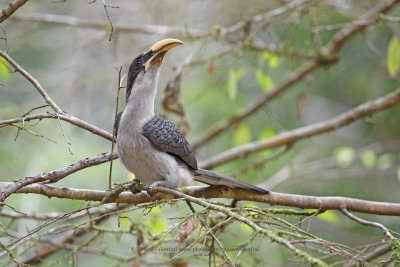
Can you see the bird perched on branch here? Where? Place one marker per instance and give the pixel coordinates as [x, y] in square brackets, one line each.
[151, 146]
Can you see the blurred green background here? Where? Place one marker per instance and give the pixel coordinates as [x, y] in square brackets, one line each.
[76, 66]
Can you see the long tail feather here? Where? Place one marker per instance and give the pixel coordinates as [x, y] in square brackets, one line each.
[212, 178]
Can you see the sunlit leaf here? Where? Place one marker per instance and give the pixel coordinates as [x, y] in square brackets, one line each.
[344, 156]
[233, 79]
[156, 221]
[242, 135]
[265, 55]
[125, 223]
[329, 216]
[384, 161]
[4, 70]
[274, 61]
[368, 158]
[393, 56]
[131, 176]
[264, 80]
[267, 133]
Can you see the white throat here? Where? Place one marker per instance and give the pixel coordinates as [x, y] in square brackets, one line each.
[140, 105]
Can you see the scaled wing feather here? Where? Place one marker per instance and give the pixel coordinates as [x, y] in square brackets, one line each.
[165, 136]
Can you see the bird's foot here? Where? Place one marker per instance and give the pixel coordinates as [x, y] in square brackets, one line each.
[150, 189]
[134, 187]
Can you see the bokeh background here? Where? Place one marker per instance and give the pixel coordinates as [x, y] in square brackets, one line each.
[77, 67]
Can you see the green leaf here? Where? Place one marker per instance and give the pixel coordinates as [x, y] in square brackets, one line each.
[242, 135]
[398, 174]
[233, 79]
[124, 222]
[368, 159]
[265, 55]
[264, 80]
[393, 56]
[267, 133]
[344, 156]
[385, 161]
[329, 216]
[274, 61]
[4, 69]
[156, 223]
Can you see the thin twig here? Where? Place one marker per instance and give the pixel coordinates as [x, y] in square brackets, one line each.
[22, 128]
[65, 137]
[114, 127]
[109, 19]
[65, 117]
[367, 223]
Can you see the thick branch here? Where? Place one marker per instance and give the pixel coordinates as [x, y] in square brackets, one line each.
[12, 7]
[273, 198]
[330, 53]
[56, 175]
[290, 137]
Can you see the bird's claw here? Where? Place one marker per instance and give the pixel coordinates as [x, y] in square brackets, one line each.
[150, 191]
[134, 187]
[150, 188]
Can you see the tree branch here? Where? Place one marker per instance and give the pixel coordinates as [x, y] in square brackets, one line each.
[290, 137]
[12, 7]
[329, 57]
[65, 117]
[45, 251]
[381, 250]
[60, 114]
[83, 23]
[273, 198]
[34, 82]
[54, 176]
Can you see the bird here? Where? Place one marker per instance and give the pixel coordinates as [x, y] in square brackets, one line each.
[152, 147]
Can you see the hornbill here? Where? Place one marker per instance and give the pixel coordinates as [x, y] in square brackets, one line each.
[151, 146]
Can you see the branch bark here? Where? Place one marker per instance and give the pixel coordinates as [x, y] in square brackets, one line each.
[12, 7]
[273, 198]
[329, 57]
[54, 176]
[290, 137]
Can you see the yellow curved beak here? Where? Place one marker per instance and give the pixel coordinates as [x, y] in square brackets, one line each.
[159, 49]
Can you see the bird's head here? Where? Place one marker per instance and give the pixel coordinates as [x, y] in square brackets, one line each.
[144, 70]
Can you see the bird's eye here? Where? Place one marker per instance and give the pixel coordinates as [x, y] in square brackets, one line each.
[137, 63]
